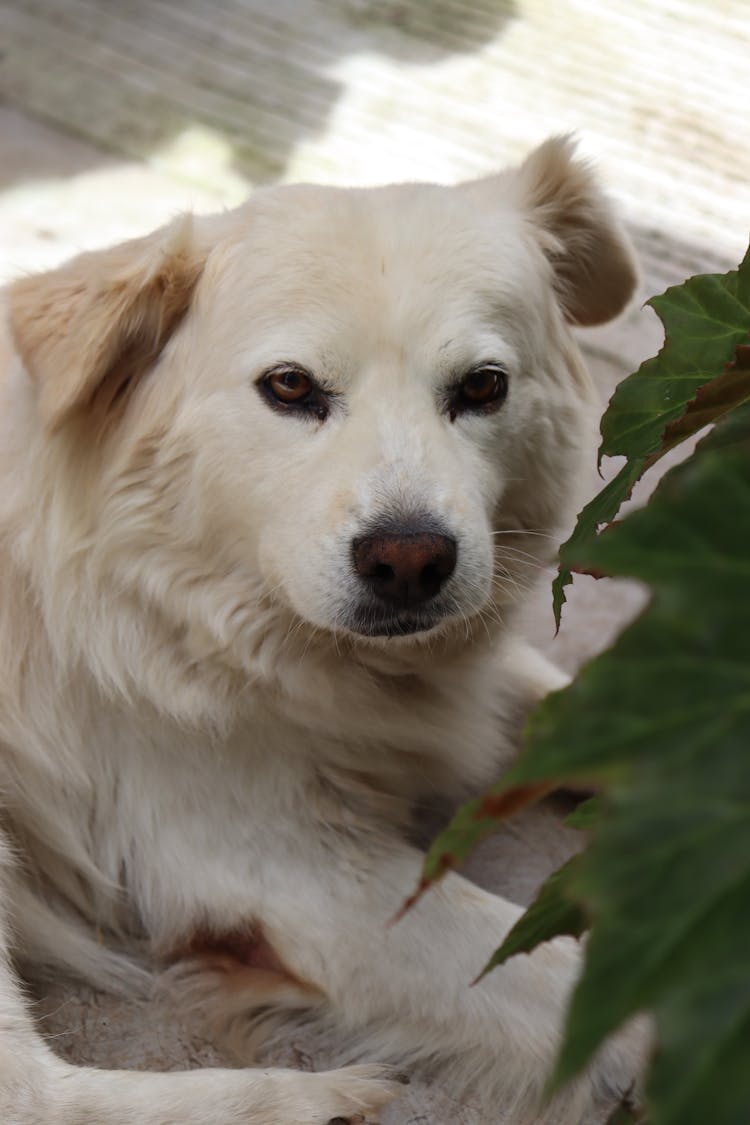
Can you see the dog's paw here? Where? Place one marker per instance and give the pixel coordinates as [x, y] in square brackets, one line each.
[353, 1095]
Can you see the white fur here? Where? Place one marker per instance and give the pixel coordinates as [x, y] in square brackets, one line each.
[193, 737]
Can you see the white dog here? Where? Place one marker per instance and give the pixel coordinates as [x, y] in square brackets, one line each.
[272, 481]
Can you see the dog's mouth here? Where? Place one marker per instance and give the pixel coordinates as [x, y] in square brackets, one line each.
[367, 623]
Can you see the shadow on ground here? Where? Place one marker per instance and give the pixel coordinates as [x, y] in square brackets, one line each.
[133, 76]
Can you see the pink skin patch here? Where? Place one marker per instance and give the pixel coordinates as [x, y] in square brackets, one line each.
[246, 959]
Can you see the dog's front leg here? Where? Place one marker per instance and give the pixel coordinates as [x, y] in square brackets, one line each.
[38, 1088]
[405, 990]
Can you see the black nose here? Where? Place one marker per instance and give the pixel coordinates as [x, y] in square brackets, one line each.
[407, 568]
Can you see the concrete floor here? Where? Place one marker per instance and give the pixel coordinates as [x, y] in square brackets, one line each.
[115, 114]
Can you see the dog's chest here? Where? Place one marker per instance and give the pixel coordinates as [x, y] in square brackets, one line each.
[186, 825]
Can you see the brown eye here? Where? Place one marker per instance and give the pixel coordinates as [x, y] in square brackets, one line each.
[482, 390]
[483, 386]
[289, 384]
[292, 390]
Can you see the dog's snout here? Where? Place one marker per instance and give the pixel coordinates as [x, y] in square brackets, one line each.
[407, 568]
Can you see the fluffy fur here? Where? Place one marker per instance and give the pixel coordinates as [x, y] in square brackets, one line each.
[210, 758]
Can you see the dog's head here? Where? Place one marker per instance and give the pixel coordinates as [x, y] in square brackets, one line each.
[362, 408]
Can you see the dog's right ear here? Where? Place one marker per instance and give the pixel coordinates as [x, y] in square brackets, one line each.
[88, 330]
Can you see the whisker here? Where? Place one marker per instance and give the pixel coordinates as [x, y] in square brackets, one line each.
[524, 531]
[522, 558]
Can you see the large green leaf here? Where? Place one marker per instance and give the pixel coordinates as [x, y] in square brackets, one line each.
[701, 372]
[663, 719]
[704, 320]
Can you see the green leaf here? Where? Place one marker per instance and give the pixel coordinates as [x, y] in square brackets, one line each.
[663, 720]
[704, 320]
[701, 373]
[552, 912]
[712, 400]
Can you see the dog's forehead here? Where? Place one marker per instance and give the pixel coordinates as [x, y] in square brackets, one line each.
[394, 239]
[346, 270]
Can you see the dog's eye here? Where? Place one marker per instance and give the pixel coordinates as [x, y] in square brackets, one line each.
[482, 390]
[484, 386]
[289, 384]
[288, 387]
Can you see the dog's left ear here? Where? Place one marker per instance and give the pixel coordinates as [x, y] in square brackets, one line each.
[594, 267]
[87, 331]
[571, 219]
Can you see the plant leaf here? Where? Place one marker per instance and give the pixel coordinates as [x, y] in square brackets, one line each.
[663, 719]
[712, 400]
[701, 372]
[704, 320]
